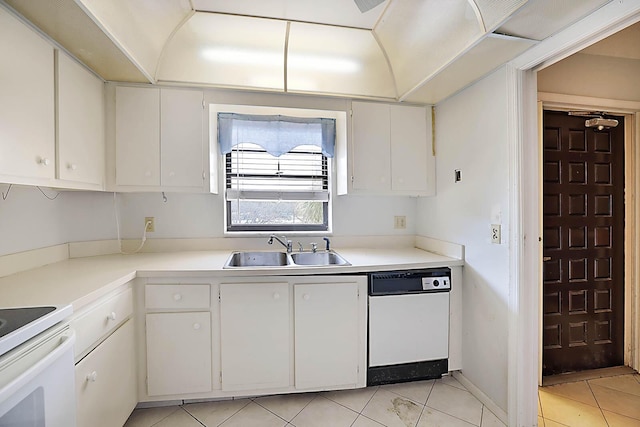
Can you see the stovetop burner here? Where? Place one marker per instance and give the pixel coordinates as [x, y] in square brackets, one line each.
[15, 318]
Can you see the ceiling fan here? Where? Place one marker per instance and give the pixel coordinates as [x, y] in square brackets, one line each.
[367, 5]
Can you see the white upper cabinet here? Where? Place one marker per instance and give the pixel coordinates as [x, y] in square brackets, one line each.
[27, 127]
[410, 156]
[181, 133]
[81, 150]
[159, 139]
[371, 147]
[390, 152]
[137, 136]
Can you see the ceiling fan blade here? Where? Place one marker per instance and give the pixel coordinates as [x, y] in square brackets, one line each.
[367, 5]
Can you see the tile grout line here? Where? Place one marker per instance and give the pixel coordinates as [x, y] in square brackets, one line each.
[365, 405]
[597, 403]
[298, 413]
[191, 415]
[433, 384]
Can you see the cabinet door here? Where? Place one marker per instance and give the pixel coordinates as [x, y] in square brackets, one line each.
[326, 334]
[178, 353]
[409, 149]
[370, 147]
[181, 138]
[106, 381]
[137, 136]
[27, 129]
[255, 335]
[80, 123]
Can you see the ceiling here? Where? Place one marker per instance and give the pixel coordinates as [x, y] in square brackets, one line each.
[420, 51]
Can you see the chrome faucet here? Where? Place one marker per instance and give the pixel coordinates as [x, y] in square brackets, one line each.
[288, 244]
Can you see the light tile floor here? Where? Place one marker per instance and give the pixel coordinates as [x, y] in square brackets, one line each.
[435, 403]
[602, 402]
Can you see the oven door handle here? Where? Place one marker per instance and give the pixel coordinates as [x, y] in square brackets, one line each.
[67, 340]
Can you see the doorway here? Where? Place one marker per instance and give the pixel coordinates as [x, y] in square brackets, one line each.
[583, 244]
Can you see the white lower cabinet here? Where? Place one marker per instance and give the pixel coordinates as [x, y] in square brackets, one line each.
[106, 381]
[327, 333]
[255, 335]
[178, 353]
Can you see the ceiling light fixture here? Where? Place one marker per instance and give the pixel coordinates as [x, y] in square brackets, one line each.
[227, 55]
[601, 123]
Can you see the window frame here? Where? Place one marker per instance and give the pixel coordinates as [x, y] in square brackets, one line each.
[337, 113]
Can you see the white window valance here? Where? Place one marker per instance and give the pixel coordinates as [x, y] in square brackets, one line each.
[275, 133]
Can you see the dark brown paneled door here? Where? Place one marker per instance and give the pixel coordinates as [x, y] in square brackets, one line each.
[583, 240]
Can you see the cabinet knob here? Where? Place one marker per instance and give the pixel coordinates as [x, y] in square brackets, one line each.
[276, 295]
[92, 377]
[177, 297]
[172, 174]
[72, 166]
[112, 316]
[147, 174]
[44, 161]
[196, 326]
[306, 297]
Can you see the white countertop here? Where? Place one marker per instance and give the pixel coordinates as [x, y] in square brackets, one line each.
[80, 281]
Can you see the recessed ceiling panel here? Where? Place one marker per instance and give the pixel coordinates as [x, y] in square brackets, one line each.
[493, 12]
[67, 24]
[140, 27]
[486, 56]
[540, 19]
[226, 50]
[421, 36]
[332, 12]
[336, 60]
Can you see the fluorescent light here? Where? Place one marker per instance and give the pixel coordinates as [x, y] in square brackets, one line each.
[227, 55]
[324, 63]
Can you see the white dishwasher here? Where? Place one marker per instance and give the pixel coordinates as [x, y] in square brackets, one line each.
[408, 325]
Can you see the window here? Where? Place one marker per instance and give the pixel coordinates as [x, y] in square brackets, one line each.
[276, 172]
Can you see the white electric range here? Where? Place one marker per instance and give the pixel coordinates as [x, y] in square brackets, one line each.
[36, 367]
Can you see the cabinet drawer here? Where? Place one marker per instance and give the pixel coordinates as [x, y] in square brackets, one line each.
[101, 320]
[177, 296]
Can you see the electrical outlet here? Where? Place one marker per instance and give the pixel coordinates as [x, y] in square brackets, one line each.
[400, 222]
[496, 233]
[150, 224]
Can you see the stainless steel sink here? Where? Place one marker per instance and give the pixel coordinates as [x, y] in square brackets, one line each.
[318, 258]
[257, 259]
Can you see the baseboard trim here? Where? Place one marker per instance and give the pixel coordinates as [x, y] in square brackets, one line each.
[479, 394]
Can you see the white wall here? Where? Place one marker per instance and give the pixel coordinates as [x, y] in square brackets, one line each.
[28, 220]
[471, 135]
[593, 75]
[202, 215]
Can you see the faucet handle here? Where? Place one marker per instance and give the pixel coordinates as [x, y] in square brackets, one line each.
[300, 246]
[314, 247]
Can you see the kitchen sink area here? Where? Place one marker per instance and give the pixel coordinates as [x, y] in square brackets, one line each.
[284, 259]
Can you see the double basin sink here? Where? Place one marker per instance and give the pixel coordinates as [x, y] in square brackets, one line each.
[284, 259]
